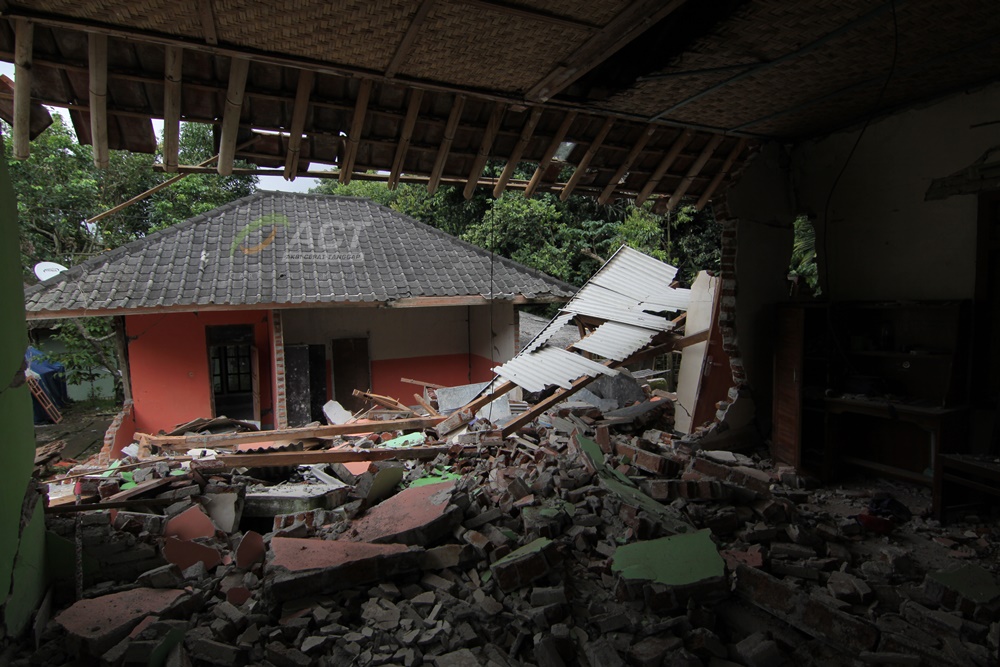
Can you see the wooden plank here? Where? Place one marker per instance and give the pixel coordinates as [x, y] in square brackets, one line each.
[581, 168]
[231, 439]
[421, 383]
[633, 154]
[550, 152]
[284, 459]
[531, 14]
[238, 69]
[406, 44]
[97, 64]
[144, 487]
[384, 401]
[489, 135]
[543, 405]
[693, 172]
[719, 175]
[172, 74]
[515, 155]
[416, 95]
[668, 160]
[449, 136]
[24, 34]
[426, 405]
[357, 127]
[299, 112]
[96, 507]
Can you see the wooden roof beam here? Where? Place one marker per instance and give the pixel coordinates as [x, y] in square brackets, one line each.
[531, 14]
[719, 175]
[618, 33]
[416, 96]
[581, 168]
[454, 117]
[489, 135]
[238, 69]
[207, 16]
[24, 37]
[299, 111]
[515, 155]
[693, 171]
[550, 152]
[357, 127]
[406, 44]
[97, 58]
[637, 147]
[668, 160]
[172, 73]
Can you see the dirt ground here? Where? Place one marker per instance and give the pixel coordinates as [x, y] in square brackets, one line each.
[82, 427]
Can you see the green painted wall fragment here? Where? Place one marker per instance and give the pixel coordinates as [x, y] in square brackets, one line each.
[529, 548]
[677, 560]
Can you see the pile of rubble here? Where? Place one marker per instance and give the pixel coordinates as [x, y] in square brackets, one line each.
[573, 542]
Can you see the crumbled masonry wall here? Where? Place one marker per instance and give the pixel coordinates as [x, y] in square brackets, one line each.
[119, 433]
[21, 562]
[168, 363]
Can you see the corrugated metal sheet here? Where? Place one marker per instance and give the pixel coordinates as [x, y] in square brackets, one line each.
[558, 322]
[608, 305]
[634, 274]
[548, 366]
[613, 340]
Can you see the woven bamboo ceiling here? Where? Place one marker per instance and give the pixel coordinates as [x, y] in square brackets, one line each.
[629, 98]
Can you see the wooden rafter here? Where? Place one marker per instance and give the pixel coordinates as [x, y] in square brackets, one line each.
[302, 91]
[416, 96]
[489, 135]
[637, 147]
[357, 127]
[531, 14]
[207, 15]
[406, 44]
[693, 171]
[515, 155]
[679, 145]
[581, 168]
[172, 68]
[238, 69]
[23, 45]
[454, 117]
[719, 175]
[619, 32]
[97, 59]
[550, 152]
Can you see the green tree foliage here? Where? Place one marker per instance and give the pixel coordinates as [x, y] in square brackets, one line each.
[803, 266]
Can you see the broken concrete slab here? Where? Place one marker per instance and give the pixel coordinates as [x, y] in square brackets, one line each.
[100, 623]
[336, 413]
[251, 550]
[185, 553]
[418, 515]
[307, 567]
[190, 524]
[269, 501]
[225, 509]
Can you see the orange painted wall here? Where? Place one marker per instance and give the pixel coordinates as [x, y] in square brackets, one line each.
[168, 359]
[444, 369]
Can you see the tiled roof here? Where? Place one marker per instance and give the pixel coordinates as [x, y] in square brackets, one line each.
[279, 249]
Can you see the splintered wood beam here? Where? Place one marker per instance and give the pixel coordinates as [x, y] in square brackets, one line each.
[238, 68]
[550, 152]
[24, 34]
[446, 140]
[97, 63]
[489, 135]
[721, 174]
[693, 172]
[637, 147]
[357, 127]
[581, 168]
[406, 44]
[515, 155]
[172, 68]
[416, 95]
[207, 16]
[619, 32]
[665, 164]
[299, 111]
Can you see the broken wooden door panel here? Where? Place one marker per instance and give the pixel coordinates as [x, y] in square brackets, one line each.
[297, 394]
[690, 376]
[786, 430]
[351, 370]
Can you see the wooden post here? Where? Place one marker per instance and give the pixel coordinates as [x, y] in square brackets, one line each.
[515, 155]
[238, 68]
[172, 106]
[357, 127]
[416, 95]
[550, 152]
[23, 44]
[581, 168]
[633, 154]
[302, 92]
[449, 136]
[98, 66]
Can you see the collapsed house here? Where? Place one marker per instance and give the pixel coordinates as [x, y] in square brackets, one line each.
[876, 121]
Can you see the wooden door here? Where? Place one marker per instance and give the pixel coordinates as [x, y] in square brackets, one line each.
[786, 430]
[351, 370]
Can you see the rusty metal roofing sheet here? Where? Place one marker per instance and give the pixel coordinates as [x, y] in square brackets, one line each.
[548, 366]
[613, 340]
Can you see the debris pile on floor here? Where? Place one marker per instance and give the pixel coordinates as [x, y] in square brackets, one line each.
[586, 538]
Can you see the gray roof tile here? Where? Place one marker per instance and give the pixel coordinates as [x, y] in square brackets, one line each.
[275, 248]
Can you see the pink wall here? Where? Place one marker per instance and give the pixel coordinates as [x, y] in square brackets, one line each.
[444, 369]
[168, 360]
